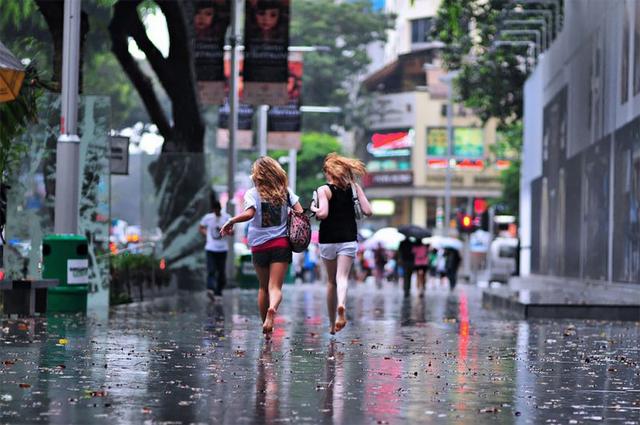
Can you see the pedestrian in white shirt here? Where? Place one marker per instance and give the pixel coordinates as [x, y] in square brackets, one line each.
[216, 249]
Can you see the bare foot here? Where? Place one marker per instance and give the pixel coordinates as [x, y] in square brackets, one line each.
[342, 318]
[267, 326]
[332, 329]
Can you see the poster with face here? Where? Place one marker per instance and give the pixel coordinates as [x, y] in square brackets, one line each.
[284, 122]
[210, 21]
[266, 48]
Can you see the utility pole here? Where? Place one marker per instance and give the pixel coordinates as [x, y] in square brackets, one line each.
[293, 168]
[448, 79]
[263, 111]
[236, 9]
[68, 146]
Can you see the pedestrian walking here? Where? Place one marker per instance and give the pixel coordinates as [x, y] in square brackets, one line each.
[452, 264]
[405, 251]
[266, 208]
[380, 259]
[421, 265]
[216, 247]
[338, 200]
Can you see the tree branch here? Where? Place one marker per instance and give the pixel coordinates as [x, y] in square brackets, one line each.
[53, 13]
[155, 58]
[182, 90]
[123, 12]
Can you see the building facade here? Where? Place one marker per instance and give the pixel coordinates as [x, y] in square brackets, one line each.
[405, 142]
[580, 186]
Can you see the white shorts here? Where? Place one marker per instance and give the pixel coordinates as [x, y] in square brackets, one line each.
[330, 251]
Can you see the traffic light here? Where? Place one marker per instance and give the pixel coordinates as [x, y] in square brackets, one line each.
[466, 223]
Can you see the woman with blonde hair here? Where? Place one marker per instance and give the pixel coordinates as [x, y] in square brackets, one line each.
[338, 229]
[266, 207]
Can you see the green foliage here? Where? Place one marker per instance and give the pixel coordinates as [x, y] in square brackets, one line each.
[315, 146]
[104, 76]
[132, 262]
[15, 116]
[23, 29]
[16, 12]
[491, 80]
[330, 77]
[509, 146]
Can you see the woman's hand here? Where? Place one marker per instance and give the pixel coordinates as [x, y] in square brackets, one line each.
[227, 228]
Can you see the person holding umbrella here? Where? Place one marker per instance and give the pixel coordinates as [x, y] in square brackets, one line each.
[338, 230]
[452, 264]
[405, 253]
[414, 256]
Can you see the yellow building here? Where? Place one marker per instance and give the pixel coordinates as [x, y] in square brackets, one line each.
[405, 147]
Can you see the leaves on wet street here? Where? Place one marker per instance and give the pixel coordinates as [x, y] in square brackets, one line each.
[439, 358]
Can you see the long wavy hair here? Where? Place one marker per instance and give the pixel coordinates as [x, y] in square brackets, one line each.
[343, 170]
[270, 180]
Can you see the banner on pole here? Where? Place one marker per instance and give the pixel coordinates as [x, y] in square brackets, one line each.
[266, 47]
[210, 21]
[244, 135]
[284, 122]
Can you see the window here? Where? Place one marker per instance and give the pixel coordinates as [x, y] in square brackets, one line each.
[421, 30]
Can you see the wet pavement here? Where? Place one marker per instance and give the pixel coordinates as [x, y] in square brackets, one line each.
[439, 360]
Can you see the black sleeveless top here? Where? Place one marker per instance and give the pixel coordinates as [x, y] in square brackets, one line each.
[340, 225]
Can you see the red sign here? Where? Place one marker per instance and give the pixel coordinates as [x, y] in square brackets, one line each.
[461, 164]
[397, 140]
[479, 205]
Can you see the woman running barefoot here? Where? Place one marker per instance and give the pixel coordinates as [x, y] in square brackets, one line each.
[338, 230]
[267, 206]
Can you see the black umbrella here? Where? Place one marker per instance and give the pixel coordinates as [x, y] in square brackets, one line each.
[411, 230]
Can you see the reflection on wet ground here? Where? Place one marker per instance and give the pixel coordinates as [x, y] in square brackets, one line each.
[439, 360]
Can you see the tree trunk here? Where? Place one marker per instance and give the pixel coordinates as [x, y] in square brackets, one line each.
[53, 13]
[179, 173]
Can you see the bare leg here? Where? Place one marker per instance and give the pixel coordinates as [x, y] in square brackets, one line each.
[421, 282]
[342, 281]
[263, 290]
[276, 279]
[332, 301]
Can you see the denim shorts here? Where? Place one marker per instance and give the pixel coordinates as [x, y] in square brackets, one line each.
[330, 251]
[273, 255]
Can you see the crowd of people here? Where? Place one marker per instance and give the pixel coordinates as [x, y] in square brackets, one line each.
[338, 204]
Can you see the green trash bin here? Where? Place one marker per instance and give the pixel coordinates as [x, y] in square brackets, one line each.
[65, 257]
[246, 275]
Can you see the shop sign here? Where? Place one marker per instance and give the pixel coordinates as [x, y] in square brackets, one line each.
[391, 178]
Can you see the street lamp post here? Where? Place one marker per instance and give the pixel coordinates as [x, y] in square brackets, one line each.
[236, 8]
[263, 111]
[448, 79]
[68, 146]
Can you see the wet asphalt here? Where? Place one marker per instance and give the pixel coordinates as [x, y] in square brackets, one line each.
[441, 359]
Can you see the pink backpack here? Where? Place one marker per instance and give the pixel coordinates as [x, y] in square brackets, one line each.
[299, 229]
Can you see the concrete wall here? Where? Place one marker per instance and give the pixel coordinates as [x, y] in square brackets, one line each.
[580, 185]
[399, 38]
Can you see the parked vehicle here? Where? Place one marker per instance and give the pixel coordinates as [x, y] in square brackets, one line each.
[502, 259]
